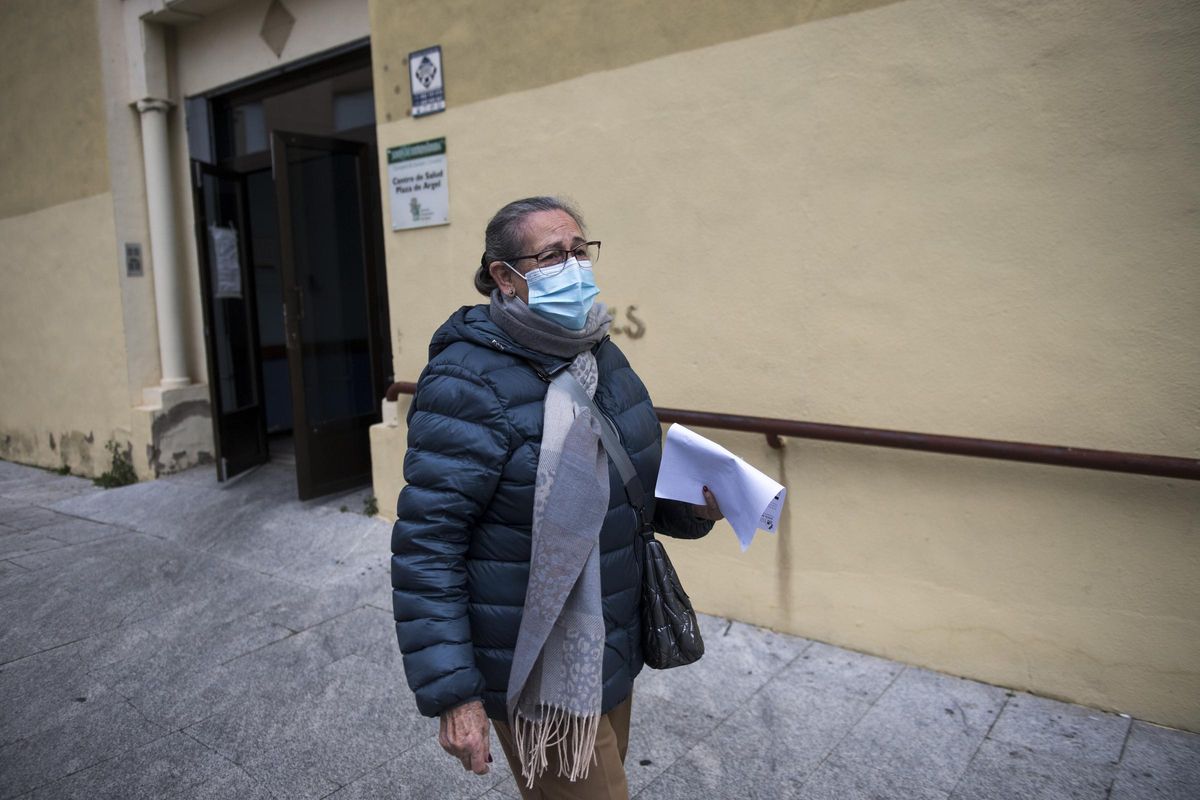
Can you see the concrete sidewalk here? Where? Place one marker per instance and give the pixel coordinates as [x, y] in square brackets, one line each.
[184, 639]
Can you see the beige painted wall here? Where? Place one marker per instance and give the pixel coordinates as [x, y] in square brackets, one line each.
[513, 45]
[226, 46]
[53, 121]
[63, 393]
[974, 219]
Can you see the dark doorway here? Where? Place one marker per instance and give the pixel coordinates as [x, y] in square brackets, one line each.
[231, 320]
[299, 151]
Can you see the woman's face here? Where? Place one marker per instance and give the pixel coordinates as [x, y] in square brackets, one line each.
[544, 230]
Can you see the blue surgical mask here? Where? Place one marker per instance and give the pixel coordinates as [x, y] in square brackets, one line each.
[565, 296]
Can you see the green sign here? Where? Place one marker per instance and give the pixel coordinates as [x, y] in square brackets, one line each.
[407, 152]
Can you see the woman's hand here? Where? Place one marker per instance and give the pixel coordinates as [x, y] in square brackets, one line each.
[464, 734]
[710, 509]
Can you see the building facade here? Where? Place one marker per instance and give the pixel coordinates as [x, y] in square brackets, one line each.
[966, 218]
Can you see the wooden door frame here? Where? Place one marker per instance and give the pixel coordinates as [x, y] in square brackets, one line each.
[294, 304]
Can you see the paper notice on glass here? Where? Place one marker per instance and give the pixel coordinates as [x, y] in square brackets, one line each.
[749, 499]
[227, 269]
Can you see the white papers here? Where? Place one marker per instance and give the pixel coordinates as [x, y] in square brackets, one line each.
[749, 499]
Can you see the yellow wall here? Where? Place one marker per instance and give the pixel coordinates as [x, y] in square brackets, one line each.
[62, 358]
[496, 47]
[53, 121]
[964, 218]
[62, 354]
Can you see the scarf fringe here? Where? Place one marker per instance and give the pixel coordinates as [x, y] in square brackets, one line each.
[573, 735]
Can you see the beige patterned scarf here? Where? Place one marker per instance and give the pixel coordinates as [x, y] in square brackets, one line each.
[556, 683]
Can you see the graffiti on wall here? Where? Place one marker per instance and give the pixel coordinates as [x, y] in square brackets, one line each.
[627, 324]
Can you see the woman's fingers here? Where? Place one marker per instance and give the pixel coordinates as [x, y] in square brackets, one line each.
[479, 757]
[710, 500]
[711, 509]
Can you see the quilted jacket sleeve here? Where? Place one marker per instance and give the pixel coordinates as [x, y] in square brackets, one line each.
[458, 442]
[675, 518]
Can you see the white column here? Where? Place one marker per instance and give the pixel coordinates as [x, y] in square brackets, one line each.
[160, 203]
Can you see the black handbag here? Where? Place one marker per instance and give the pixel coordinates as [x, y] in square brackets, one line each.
[670, 630]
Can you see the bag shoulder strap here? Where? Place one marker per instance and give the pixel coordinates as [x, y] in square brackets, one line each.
[612, 444]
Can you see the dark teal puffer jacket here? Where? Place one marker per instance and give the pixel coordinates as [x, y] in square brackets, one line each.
[461, 541]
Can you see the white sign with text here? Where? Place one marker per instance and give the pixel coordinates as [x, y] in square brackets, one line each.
[419, 194]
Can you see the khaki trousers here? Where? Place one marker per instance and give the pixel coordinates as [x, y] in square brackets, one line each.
[605, 779]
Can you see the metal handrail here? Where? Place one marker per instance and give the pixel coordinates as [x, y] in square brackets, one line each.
[1058, 455]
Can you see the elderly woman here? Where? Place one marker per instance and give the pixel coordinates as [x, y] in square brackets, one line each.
[516, 566]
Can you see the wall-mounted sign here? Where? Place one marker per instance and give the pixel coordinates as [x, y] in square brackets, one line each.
[425, 77]
[417, 175]
[133, 259]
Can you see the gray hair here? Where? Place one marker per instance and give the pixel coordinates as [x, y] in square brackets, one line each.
[505, 234]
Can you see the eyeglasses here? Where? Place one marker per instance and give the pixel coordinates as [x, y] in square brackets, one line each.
[552, 262]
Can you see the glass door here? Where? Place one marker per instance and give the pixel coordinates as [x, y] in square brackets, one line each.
[230, 320]
[331, 311]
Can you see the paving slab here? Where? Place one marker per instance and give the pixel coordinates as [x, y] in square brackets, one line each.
[163, 768]
[765, 750]
[29, 518]
[1002, 770]
[121, 580]
[103, 731]
[17, 542]
[59, 685]
[73, 530]
[740, 657]
[306, 606]
[230, 783]
[1158, 763]
[168, 658]
[423, 772]
[160, 508]
[45, 488]
[274, 549]
[1061, 729]
[661, 732]
[922, 731]
[249, 682]
[10, 470]
[842, 779]
[326, 732]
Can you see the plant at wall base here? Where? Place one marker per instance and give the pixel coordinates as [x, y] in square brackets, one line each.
[63, 470]
[370, 505]
[121, 472]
